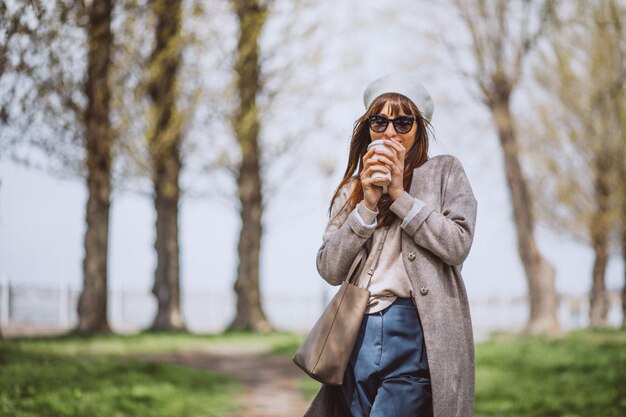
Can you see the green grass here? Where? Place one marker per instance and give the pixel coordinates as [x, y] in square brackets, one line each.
[40, 384]
[104, 376]
[580, 375]
[154, 342]
[583, 374]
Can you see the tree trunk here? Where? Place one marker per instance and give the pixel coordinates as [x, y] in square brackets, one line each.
[167, 275]
[623, 236]
[539, 273]
[250, 316]
[624, 287]
[599, 231]
[92, 304]
[599, 303]
[622, 213]
[164, 142]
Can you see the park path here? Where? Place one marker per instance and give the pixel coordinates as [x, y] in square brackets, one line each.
[271, 383]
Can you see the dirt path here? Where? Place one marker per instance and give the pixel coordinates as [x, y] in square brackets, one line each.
[271, 383]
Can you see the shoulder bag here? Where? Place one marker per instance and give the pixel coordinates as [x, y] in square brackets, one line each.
[325, 352]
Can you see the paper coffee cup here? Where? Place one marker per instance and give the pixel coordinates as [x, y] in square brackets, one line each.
[382, 179]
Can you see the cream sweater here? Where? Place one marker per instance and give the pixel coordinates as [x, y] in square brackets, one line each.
[390, 279]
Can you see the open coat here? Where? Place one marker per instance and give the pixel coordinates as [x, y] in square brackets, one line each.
[435, 243]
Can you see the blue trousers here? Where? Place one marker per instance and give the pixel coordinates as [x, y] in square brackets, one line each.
[388, 373]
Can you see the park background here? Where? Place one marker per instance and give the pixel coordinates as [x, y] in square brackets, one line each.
[316, 59]
[42, 216]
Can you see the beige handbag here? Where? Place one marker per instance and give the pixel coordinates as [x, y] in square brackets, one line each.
[325, 352]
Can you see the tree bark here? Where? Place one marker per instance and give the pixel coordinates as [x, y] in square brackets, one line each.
[167, 274]
[164, 142]
[251, 15]
[599, 231]
[624, 287]
[623, 237]
[539, 273]
[92, 304]
[599, 303]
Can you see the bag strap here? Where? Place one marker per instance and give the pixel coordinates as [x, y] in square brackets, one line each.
[354, 268]
[376, 258]
[359, 258]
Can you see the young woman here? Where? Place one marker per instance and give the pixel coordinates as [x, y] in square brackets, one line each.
[414, 355]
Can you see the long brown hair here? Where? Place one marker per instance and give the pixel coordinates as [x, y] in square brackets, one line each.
[415, 157]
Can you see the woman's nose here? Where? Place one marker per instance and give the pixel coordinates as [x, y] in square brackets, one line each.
[390, 131]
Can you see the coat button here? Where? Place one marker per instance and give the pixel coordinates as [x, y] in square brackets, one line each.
[411, 256]
[423, 290]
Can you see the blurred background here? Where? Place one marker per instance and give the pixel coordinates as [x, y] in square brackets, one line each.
[155, 153]
[168, 166]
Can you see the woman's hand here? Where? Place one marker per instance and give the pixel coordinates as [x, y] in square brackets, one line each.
[372, 193]
[394, 161]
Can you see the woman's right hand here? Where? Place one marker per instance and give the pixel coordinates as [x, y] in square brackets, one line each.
[371, 193]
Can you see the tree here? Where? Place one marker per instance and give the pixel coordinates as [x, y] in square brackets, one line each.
[251, 15]
[616, 22]
[177, 135]
[265, 80]
[99, 137]
[502, 35]
[164, 138]
[577, 183]
[622, 174]
[623, 232]
[52, 103]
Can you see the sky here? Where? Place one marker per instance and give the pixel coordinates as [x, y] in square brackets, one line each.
[42, 217]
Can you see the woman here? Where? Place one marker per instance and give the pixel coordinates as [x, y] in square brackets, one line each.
[414, 355]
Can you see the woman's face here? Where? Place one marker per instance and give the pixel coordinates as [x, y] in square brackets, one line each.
[407, 139]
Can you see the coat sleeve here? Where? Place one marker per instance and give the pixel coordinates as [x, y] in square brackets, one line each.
[449, 233]
[344, 236]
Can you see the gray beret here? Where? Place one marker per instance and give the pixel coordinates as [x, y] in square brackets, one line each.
[405, 85]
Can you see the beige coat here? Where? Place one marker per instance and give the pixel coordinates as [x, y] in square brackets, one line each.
[436, 241]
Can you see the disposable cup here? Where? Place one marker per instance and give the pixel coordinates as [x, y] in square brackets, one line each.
[382, 179]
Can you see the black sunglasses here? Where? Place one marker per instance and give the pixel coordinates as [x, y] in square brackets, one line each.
[378, 123]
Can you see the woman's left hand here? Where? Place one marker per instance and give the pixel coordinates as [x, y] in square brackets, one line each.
[395, 161]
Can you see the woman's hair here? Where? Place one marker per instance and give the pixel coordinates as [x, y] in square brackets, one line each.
[415, 157]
